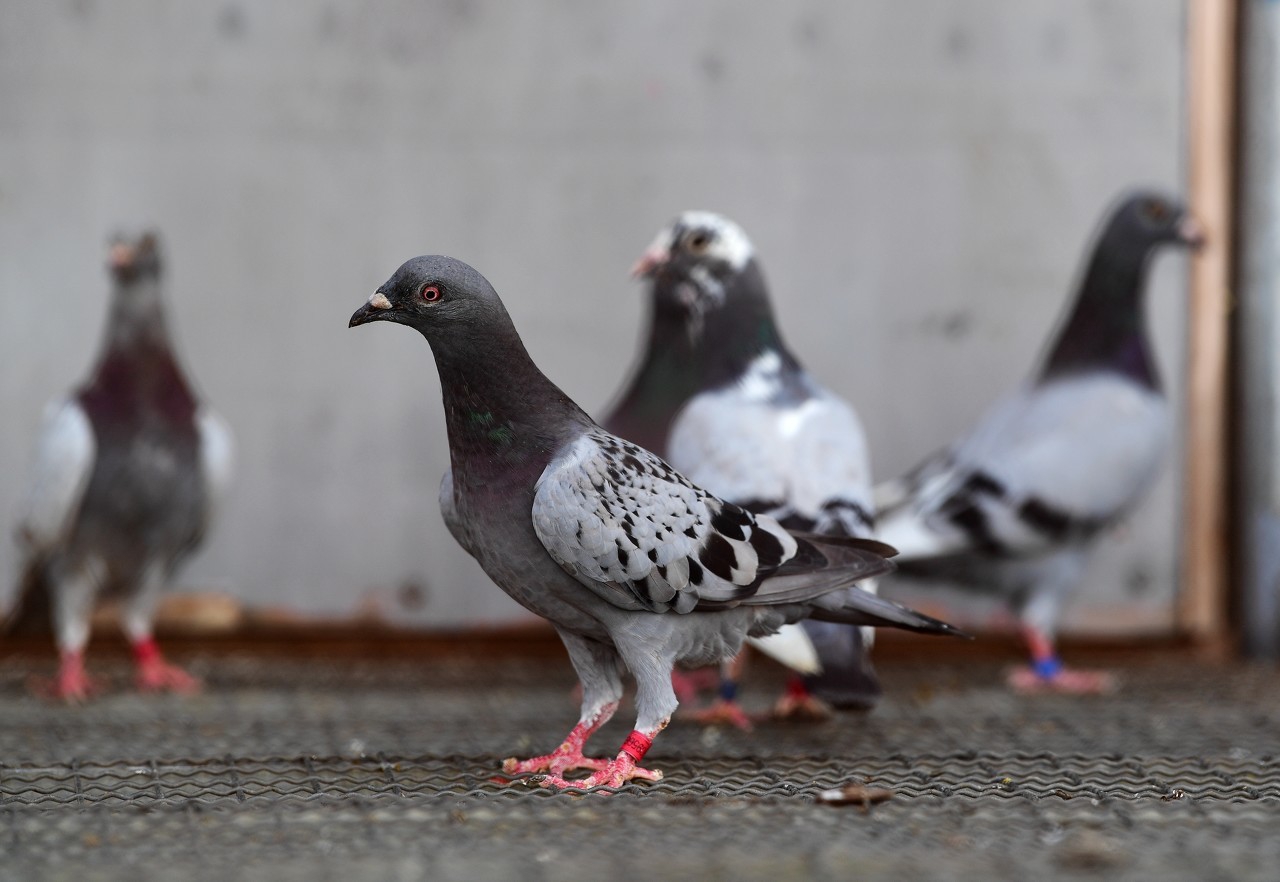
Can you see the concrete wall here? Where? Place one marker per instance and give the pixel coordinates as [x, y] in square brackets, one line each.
[920, 180]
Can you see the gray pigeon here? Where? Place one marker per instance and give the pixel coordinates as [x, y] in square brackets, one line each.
[127, 472]
[631, 562]
[1015, 507]
[720, 396]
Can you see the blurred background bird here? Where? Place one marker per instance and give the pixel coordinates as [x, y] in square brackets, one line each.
[128, 470]
[718, 394]
[1015, 507]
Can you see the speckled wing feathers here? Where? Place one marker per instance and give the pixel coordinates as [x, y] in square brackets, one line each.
[640, 535]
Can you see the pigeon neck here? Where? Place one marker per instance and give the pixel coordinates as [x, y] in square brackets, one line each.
[1105, 329]
[734, 336]
[500, 410]
[137, 317]
[137, 380]
[662, 382]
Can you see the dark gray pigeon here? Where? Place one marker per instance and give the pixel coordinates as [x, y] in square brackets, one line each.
[127, 472]
[632, 563]
[720, 396]
[1015, 507]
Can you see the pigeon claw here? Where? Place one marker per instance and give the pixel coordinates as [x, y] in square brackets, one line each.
[1065, 681]
[615, 773]
[722, 713]
[71, 685]
[160, 676]
[806, 708]
[564, 758]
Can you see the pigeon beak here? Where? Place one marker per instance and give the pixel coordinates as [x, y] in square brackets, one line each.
[650, 262]
[1190, 232]
[375, 309]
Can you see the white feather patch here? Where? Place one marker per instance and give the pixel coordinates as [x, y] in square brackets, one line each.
[792, 647]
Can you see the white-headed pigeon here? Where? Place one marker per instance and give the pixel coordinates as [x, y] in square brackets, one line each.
[1015, 507]
[128, 469]
[720, 396]
[633, 564]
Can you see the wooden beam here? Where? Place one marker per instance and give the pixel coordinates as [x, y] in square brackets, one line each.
[1211, 93]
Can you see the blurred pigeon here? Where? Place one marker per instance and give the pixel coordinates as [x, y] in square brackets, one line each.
[721, 397]
[127, 472]
[632, 563]
[1015, 507]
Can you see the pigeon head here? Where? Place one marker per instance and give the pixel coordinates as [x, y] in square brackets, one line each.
[694, 265]
[1144, 219]
[499, 408]
[1103, 329]
[443, 298]
[131, 260]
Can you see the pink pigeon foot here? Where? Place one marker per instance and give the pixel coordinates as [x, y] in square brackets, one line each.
[723, 712]
[154, 674]
[799, 705]
[568, 756]
[619, 771]
[1046, 674]
[1064, 681]
[72, 684]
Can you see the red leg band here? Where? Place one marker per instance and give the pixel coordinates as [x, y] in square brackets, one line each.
[796, 688]
[145, 651]
[637, 745]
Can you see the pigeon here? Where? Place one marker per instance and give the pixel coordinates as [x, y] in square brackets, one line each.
[720, 396]
[632, 563]
[128, 470]
[1014, 508]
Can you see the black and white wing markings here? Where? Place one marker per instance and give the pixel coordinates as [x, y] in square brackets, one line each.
[836, 517]
[1051, 467]
[643, 537]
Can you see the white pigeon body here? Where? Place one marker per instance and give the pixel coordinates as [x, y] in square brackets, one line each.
[719, 394]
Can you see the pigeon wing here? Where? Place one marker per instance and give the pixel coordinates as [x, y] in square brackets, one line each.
[64, 462]
[643, 537]
[1057, 462]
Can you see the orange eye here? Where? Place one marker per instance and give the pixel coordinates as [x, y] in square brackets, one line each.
[430, 293]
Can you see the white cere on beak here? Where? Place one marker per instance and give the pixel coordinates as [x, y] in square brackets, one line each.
[379, 301]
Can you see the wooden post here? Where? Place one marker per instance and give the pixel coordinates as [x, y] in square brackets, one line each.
[1211, 92]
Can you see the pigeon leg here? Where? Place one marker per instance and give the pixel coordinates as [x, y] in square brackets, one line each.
[725, 710]
[597, 667]
[798, 704]
[72, 684]
[568, 756]
[154, 674]
[73, 602]
[1046, 672]
[623, 768]
[655, 701]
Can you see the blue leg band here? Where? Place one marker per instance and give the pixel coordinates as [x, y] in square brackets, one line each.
[1047, 668]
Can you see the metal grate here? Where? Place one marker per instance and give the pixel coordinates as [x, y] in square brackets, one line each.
[229, 782]
[391, 771]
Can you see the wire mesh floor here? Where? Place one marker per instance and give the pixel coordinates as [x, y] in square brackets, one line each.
[285, 770]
